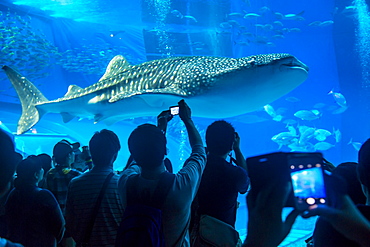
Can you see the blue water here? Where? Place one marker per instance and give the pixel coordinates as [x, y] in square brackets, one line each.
[59, 43]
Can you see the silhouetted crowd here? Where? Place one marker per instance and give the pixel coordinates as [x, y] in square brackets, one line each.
[81, 201]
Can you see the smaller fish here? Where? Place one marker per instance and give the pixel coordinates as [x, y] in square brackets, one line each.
[234, 23]
[277, 118]
[278, 15]
[326, 23]
[271, 111]
[305, 147]
[284, 138]
[260, 26]
[349, 10]
[264, 9]
[251, 16]
[290, 121]
[314, 24]
[278, 36]
[323, 146]
[261, 40]
[306, 135]
[189, 17]
[268, 27]
[292, 130]
[235, 14]
[308, 115]
[177, 13]
[322, 134]
[281, 110]
[356, 145]
[339, 98]
[295, 30]
[248, 34]
[296, 17]
[340, 110]
[292, 99]
[278, 23]
[337, 135]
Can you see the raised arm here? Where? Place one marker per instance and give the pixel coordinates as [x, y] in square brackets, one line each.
[162, 119]
[185, 115]
[240, 160]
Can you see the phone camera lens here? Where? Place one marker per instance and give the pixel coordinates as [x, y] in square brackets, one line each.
[310, 201]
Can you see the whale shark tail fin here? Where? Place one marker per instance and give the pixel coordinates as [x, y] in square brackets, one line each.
[29, 96]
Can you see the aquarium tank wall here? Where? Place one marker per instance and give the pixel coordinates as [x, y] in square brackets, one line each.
[57, 43]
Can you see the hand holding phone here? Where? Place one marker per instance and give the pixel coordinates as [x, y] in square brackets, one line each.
[268, 169]
[308, 182]
[302, 170]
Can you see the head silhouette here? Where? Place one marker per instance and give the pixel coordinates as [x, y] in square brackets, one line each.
[347, 171]
[28, 170]
[147, 145]
[363, 169]
[104, 147]
[8, 161]
[45, 160]
[62, 152]
[220, 136]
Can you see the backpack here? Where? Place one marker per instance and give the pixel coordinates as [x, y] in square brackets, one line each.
[141, 223]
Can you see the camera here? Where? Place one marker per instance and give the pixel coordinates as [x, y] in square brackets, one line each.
[174, 110]
[303, 171]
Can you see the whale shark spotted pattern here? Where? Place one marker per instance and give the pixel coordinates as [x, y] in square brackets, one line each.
[214, 87]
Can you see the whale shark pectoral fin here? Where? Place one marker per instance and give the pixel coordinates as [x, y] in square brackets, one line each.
[98, 118]
[172, 91]
[67, 117]
[73, 90]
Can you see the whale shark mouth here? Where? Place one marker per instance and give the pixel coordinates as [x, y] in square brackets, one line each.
[294, 64]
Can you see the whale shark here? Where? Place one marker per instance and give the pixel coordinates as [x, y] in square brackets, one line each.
[214, 87]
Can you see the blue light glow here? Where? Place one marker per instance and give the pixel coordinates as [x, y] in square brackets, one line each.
[363, 39]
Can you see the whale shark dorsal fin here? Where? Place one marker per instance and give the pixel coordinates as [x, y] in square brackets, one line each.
[72, 90]
[115, 66]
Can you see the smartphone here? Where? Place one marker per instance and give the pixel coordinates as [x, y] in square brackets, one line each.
[270, 168]
[174, 110]
[307, 175]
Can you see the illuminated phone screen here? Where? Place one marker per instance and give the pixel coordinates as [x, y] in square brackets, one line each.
[174, 110]
[308, 184]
